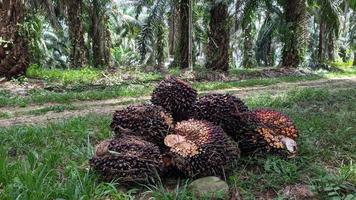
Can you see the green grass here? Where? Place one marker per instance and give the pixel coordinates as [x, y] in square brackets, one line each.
[341, 64]
[89, 75]
[147, 81]
[55, 108]
[141, 84]
[132, 90]
[4, 115]
[217, 85]
[51, 161]
[44, 96]
[69, 76]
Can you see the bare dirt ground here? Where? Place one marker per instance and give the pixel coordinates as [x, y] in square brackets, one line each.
[110, 105]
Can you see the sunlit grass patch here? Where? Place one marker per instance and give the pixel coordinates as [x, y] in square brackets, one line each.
[288, 99]
[86, 75]
[215, 85]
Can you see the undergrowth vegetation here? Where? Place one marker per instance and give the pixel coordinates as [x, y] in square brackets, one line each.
[50, 161]
[139, 84]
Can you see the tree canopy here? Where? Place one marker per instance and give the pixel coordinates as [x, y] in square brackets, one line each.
[155, 34]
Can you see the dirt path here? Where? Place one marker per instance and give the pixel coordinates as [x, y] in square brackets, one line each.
[110, 105]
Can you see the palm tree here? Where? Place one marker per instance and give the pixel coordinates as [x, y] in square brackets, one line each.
[353, 37]
[219, 38]
[352, 4]
[14, 56]
[159, 46]
[99, 33]
[151, 37]
[247, 24]
[261, 50]
[248, 53]
[321, 40]
[331, 47]
[183, 47]
[78, 57]
[329, 12]
[174, 22]
[268, 35]
[294, 35]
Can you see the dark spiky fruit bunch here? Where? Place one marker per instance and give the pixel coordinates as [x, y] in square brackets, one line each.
[149, 122]
[200, 148]
[221, 109]
[176, 96]
[128, 159]
[268, 130]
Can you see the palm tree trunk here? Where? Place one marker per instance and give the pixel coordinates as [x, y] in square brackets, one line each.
[247, 61]
[321, 40]
[78, 56]
[96, 35]
[108, 41]
[237, 14]
[270, 54]
[183, 53]
[331, 47]
[176, 27]
[159, 47]
[190, 32]
[269, 60]
[14, 55]
[219, 38]
[173, 28]
[294, 37]
[100, 36]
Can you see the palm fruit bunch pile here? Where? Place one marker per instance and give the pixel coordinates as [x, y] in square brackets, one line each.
[179, 133]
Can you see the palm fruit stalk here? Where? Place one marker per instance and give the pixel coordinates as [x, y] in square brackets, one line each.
[199, 148]
[128, 159]
[176, 96]
[149, 122]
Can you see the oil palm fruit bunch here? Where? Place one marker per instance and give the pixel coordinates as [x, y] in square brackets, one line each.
[200, 148]
[128, 159]
[176, 96]
[268, 130]
[221, 109]
[149, 122]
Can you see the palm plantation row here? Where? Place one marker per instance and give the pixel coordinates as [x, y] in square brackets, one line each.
[218, 35]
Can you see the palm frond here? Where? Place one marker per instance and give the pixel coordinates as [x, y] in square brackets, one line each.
[248, 13]
[147, 30]
[330, 12]
[352, 4]
[271, 26]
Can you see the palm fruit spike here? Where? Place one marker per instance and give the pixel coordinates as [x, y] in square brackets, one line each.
[269, 130]
[149, 122]
[200, 148]
[128, 160]
[176, 96]
[221, 110]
